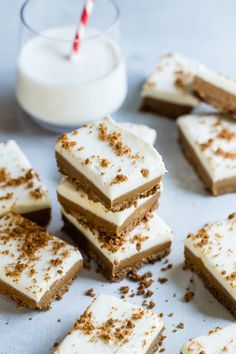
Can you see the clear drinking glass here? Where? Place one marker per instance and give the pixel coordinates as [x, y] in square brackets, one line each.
[60, 93]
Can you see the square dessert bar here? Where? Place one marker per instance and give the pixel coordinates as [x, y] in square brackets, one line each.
[110, 163]
[219, 340]
[35, 266]
[21, 189]
[209, 143]
[96, 215]
[162, 95]
[148, 242]
[211, 252]
[111, 325]
[142, 131]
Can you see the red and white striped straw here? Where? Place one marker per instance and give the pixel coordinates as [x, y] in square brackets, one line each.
[80, 31]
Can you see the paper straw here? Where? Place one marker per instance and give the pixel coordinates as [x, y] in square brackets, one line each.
[80, 31]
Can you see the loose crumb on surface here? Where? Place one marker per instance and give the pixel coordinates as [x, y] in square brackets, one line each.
[124, 290]
[188, 296]
[180, 325]
[168, 267]
[162, 280]
[90, 292]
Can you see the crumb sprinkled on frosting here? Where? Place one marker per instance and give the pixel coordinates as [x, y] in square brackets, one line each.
[225, 154]
[30, 239]
[7, 196]
[226, 134]
[207, 144]
[104, 162]
[4, 175]
[120, 178]
[66, 143]
[115, 140]
[145, 172]
[37, 193]
[112, 330]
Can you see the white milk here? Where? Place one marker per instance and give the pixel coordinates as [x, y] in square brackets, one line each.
[62, 92]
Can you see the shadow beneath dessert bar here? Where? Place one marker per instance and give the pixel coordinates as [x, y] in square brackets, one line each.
[91, 269]
[9, 308]
[93, 273]
[180, 172]
[203, 301]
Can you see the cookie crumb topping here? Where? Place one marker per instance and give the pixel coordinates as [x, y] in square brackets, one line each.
[145, 172]
[114, 139]
[120, 178]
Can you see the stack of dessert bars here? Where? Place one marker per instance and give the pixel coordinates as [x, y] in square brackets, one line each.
[109, 194]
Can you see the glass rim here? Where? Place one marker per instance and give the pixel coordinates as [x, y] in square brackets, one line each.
[92, 37]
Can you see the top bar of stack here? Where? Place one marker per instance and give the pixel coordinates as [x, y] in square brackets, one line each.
[110, 163]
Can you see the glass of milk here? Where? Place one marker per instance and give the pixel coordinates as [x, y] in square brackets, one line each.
[57, 92]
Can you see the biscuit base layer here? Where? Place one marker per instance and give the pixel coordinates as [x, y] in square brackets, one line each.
[215, 96]
[55, 292]
[41, 217]
[104, 226]
[165, 108]
[211, 283]
[227, 185]
[112, 272]
[123, 202]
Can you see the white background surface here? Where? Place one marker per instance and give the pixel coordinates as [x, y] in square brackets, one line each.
[205, 30]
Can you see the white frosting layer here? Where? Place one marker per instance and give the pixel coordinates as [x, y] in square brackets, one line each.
[202, 129]
[155, 232]
[219, 341]
[105, 307]
[19, 196]
[38, 273]
[142, 131]
[216, 79]
[69, 191]
[94, 149]
[216, 247]
[162, 82]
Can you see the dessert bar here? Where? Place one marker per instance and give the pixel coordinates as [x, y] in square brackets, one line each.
[162, 95]
[35, 266]
[95, 215]
[211, 252]
[111, 164]
[218, 340]
[209, 143]
[21, 189]
[111, 325]
[148, 242]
